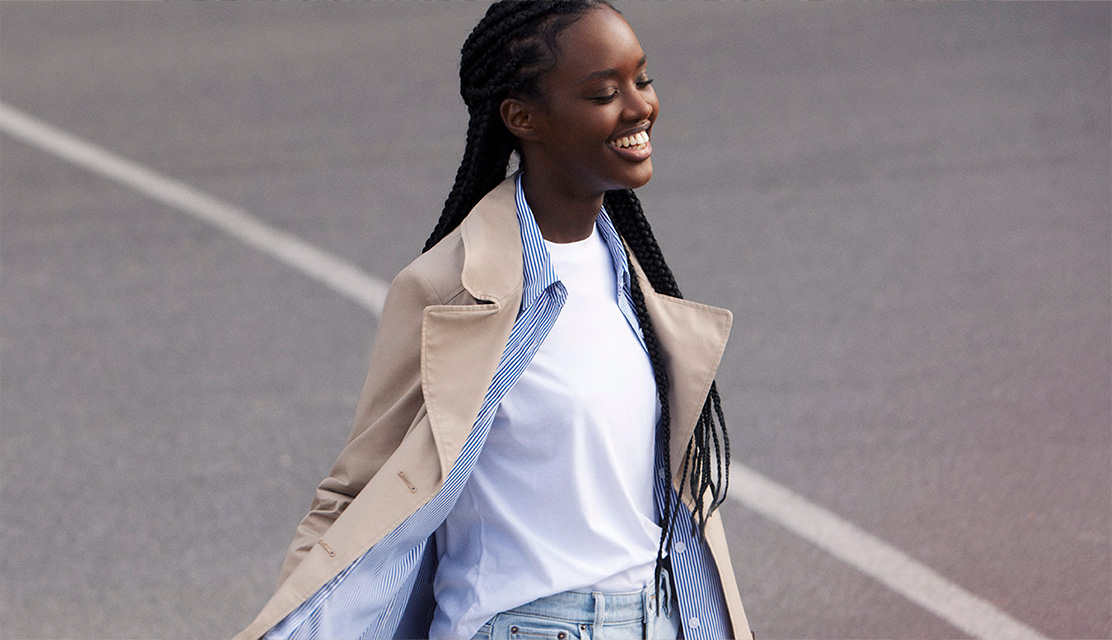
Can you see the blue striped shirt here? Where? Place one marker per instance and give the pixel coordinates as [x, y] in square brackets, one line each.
[372, 597]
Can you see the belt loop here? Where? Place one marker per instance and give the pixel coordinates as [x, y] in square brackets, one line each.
[664, 593]
[646, 612]
[600, 610]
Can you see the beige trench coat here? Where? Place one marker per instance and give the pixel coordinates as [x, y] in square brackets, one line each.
[446, 321]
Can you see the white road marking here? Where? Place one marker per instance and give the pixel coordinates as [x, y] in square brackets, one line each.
[874, 557]
[321, 265]
[829, 532]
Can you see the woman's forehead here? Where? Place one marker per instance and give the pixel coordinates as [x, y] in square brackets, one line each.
[598, 45]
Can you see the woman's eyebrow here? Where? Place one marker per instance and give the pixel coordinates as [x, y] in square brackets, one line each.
[610, 73]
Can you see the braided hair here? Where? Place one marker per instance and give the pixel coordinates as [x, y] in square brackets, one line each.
[507, 54]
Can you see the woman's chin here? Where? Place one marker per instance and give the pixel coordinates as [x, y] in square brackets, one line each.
[641, 177]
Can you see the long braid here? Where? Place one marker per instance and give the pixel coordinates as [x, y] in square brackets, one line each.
[663, 432]
[631, 223]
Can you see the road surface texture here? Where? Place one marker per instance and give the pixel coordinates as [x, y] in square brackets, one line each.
[907, 206]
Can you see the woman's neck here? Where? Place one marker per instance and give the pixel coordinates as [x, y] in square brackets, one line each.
[562, 216]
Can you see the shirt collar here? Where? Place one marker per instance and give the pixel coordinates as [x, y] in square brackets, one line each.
[617, 250]
[538, 272]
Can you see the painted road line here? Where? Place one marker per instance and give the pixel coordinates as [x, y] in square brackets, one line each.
[829, 532]
[318, 264]
[874, 557]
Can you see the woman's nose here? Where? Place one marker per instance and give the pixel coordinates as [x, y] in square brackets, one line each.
[640, 105]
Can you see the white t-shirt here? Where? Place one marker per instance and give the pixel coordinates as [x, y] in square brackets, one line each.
[561, 496]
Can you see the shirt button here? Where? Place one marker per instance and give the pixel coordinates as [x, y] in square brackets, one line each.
[680, 548]
[693, 622]
[660, 474]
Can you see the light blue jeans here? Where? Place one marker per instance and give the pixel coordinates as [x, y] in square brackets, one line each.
[587, 616]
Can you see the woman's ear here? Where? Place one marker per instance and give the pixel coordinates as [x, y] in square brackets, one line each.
[519, 117]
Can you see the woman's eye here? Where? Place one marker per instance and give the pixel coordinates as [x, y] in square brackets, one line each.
[609, 97]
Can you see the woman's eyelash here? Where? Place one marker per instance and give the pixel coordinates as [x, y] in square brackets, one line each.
[641, 84]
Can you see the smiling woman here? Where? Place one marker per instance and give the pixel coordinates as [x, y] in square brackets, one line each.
[539, 449]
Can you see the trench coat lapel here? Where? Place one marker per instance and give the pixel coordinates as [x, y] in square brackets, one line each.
[694, 337]
[462, 345]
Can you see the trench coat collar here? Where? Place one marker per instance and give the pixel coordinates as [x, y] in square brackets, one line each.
[492, 266]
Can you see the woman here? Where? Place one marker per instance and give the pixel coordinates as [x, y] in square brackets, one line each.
[538, 399]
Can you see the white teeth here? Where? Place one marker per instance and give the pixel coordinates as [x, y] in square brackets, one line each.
[636, 139]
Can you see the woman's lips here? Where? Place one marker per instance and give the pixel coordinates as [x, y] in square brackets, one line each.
[634, 147]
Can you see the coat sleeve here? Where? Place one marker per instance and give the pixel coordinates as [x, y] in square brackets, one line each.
[391, 402]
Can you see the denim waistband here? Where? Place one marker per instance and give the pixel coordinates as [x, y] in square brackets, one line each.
[595, 608]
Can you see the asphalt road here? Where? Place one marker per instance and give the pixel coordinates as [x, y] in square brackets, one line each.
[906, 205]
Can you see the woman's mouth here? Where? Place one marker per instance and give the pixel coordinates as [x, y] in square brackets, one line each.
[634, 147]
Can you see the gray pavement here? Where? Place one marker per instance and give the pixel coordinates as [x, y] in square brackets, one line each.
[907, 206]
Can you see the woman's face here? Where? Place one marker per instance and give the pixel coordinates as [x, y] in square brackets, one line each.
[592, 127]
